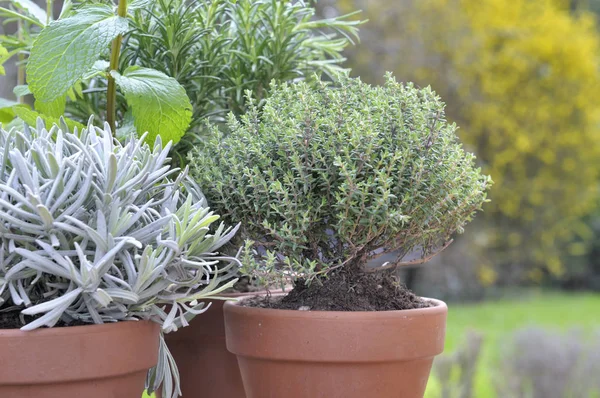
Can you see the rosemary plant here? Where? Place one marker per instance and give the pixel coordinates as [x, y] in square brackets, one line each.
[217, 49]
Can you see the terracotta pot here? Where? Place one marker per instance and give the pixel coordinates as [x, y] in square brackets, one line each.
[206, 368]
[96, 361]
[330, 354]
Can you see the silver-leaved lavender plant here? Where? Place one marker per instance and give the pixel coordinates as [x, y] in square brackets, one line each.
[95, 231]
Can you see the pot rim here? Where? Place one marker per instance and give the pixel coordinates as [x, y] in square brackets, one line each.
[68, 330]
[335, 336]
[234, 306]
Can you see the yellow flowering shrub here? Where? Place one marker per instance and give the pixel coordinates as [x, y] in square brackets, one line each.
[521, 78]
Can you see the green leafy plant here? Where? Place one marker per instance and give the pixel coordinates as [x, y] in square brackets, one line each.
[28, 19]
[96, 231]
[330, 177]
[72, 49]
[217, 49]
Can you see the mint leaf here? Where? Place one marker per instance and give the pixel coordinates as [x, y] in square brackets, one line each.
[67, 49]
[53, 108]
[30, 117]
[158, 103]
[32, 10]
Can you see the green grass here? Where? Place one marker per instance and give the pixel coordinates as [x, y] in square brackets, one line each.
[497, 320]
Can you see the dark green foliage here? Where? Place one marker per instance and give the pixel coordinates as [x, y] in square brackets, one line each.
[217, 49]
[331, 176]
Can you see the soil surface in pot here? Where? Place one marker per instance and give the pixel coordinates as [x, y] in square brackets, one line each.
[344, 290]
[11, 320]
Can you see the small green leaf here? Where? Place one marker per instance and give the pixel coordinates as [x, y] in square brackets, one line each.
[159, 104]
[99, 68]
[54, 108]
[3, 58]
[68, 48]
[72, 92]
[7, 113]
[30, 117]
[32, 9]
[21, 90]
[9, 13]
[75, 92]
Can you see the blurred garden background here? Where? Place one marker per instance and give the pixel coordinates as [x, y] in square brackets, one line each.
[522, 80]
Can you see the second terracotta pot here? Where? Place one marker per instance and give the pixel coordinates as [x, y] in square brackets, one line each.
[206, 368]
[329, 354]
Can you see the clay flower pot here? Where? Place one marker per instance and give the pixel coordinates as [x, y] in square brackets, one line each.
[329, 354]
[96, 361]
[206, 368]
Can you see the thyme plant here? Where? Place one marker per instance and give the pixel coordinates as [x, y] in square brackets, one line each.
[333, 176]
[95, 231]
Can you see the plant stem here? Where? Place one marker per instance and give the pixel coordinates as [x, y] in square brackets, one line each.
[49, 11]
[20, 66]
[111, 92]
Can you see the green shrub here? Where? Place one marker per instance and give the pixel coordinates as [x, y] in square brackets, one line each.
[332, 176]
